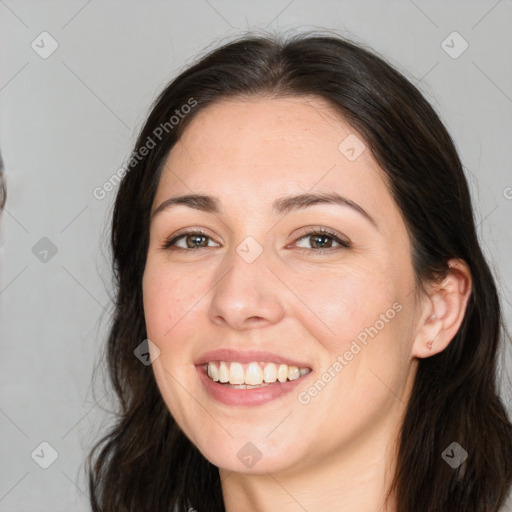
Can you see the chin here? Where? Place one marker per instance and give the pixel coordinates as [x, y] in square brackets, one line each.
[250, 457]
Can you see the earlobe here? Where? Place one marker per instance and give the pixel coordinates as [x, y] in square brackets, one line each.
[444, 310]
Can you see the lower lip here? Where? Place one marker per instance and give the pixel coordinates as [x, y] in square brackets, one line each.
[247, 397]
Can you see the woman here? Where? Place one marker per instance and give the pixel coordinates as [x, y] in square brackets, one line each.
[294, 235]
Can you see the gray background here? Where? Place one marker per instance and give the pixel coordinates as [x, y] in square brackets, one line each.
[69, 122]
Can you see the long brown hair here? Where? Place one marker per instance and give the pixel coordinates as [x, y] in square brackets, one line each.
[145, 462]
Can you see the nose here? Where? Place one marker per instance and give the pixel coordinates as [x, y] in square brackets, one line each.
[247, 295]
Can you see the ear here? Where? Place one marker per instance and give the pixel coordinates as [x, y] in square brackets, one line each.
[443, 310]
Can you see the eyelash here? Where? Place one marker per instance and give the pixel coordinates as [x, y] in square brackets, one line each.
[345, 244]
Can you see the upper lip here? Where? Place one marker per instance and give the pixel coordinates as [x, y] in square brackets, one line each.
[247, 356]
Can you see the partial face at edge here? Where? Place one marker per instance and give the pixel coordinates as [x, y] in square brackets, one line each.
[306, 296]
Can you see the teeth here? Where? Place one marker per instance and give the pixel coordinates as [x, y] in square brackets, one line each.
[236, 374]
[223, 372]
[254, 374]
[213, 372]
[270, 372]
[293, 372]
[282, 373]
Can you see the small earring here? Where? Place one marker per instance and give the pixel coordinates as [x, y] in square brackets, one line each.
[429, 344]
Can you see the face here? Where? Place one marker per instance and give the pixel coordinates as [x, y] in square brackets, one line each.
[250, 276]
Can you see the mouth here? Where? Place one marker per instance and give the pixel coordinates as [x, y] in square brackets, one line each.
[255, 374]
[249, 378]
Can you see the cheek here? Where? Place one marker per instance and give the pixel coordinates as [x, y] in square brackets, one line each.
[168, 298]
[346, 301]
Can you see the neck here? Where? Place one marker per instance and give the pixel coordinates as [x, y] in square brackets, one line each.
[355, 479]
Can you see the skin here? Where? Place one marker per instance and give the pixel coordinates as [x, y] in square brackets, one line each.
[337, 452]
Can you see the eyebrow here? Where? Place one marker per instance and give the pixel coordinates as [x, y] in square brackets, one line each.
[281, 205]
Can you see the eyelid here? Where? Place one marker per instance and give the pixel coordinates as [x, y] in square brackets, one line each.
[343, 241]
[306, 232]
[167, 244]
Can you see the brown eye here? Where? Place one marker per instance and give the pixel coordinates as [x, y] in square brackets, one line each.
[323, 239]
[189, 240]
[195, 241]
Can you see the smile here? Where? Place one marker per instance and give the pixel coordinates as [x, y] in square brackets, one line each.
[252, 375]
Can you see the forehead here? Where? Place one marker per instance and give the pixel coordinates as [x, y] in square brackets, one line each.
[258, 149]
